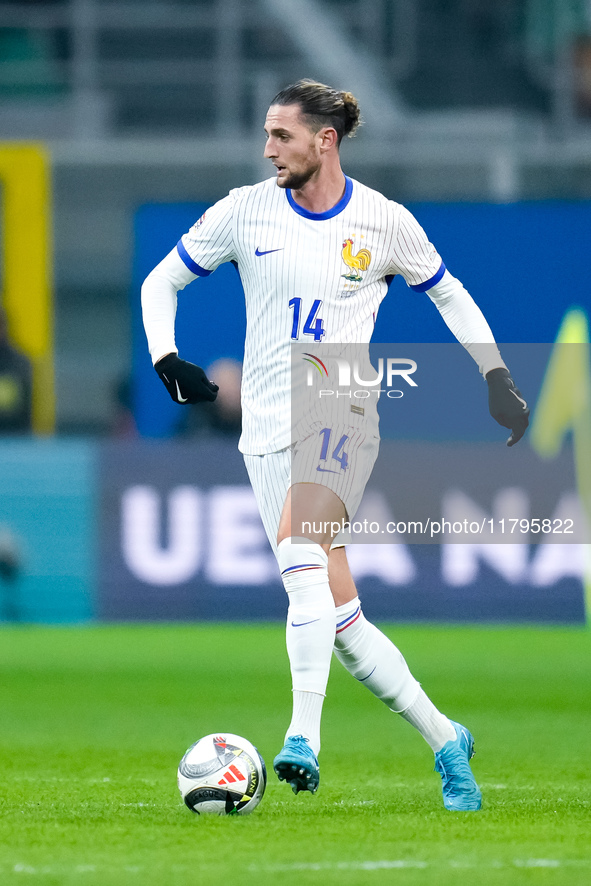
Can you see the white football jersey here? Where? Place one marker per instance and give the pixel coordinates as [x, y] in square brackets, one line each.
[307, 277]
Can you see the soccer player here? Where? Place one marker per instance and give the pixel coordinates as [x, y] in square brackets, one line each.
[315, 251]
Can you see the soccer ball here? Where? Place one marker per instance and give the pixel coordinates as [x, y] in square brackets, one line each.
[222, 775]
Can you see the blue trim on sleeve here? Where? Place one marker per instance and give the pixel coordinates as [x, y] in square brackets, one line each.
[428, 284]
[330, 213]
[192, 265]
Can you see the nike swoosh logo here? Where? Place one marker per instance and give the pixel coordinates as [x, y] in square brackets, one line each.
[300, 624]
[326, 470]
[258, 252]
[362, 679]
[178, 393]
[521, 400]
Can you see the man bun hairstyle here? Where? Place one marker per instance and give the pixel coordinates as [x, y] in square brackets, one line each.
[322, 105]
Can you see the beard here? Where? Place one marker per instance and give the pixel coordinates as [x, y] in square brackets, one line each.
[296, 180]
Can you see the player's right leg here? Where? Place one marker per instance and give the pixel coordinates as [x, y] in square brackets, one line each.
[375, 661]
[303, 562]
[327, 482]
[310, 624]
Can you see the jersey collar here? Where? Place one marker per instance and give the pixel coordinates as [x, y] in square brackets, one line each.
[330, 213]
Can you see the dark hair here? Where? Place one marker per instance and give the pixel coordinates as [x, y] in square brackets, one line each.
[322, 106]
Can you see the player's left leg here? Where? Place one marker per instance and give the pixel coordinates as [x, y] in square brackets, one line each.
[375, 661]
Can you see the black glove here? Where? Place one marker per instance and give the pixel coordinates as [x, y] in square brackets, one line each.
[506, 405]
[184, 381]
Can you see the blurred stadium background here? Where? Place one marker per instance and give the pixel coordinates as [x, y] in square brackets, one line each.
[119, 121]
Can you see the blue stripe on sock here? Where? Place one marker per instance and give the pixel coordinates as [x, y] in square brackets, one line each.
[302, 566]
[348, 617]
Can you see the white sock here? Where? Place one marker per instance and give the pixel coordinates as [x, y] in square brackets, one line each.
[310, 632]
[305, 719]
[376, 662]
[373, 659]
[434, 726]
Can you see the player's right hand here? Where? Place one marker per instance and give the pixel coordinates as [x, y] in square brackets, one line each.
[184, 381]
[506, 404]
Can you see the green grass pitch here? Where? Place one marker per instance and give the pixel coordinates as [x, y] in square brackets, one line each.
[94, 720]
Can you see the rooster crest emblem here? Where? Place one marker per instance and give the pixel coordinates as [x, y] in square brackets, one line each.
[356, 263]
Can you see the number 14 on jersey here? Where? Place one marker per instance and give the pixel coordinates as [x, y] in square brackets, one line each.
[313, 324]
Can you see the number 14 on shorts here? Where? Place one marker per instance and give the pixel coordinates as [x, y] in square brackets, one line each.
[338, 453]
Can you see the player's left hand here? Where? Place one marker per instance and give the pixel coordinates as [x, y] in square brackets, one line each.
[506, 403]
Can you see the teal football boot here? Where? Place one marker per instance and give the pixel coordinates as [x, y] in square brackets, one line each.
[296, 763]
[460, 791]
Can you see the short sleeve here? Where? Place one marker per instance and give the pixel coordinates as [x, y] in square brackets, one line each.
[209, 243]
[413, 255]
